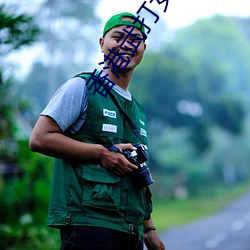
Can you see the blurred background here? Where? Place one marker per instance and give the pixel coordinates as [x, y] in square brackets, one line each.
[194, 82]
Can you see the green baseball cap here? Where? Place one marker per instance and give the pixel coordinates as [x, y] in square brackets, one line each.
[116, 20]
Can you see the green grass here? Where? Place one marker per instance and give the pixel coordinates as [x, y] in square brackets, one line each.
[170, 213]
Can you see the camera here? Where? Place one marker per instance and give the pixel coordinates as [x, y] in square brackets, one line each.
[142, 176]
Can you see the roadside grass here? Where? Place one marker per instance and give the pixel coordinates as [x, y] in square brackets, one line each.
[170, 213]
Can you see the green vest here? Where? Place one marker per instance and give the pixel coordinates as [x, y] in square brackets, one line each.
[86, 193]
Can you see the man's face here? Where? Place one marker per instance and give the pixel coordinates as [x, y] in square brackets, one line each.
[110, 41]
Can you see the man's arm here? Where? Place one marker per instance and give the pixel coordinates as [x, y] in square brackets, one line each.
[47, 138]
[151, 239]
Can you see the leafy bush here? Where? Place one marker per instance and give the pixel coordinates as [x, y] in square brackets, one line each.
[24, 204]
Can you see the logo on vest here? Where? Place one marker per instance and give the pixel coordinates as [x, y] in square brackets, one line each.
[109, 113]
[142, 122]
[143, 132]
[109, 128]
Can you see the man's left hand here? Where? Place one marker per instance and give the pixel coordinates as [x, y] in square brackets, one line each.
[152, 241]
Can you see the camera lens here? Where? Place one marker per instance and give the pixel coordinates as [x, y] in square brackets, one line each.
[144, 177]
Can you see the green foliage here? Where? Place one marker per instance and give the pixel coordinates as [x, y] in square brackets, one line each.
[24, 235]
[221, 52]
[165, 79]
[199, 135]
[195, 91]
[11, 108]
[72, 43]
[15, 30]
[199, 179]
[69, 9]
[29, 193]
[196, 80]
[24, 203]
[6, 108]
[8, 105]
[230, 114]
[38, 79]
[243, 24]
[69, 48]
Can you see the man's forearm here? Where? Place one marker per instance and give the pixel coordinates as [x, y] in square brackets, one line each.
[47, 138]
[60, 146]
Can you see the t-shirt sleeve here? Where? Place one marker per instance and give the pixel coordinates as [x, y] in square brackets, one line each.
[68, 105]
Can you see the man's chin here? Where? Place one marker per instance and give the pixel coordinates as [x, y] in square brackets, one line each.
[124, 71]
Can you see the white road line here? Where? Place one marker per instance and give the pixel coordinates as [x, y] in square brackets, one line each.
[237, 225]
[216, 240]
[247, 217]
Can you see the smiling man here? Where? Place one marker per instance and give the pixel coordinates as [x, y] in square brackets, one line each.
[122, 45]
[95, 198]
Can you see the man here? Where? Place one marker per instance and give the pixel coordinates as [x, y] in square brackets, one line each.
[95, 202]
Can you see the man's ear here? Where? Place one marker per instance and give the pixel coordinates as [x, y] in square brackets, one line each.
[101, 42]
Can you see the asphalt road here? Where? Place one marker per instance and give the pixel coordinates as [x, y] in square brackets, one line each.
[227, 230]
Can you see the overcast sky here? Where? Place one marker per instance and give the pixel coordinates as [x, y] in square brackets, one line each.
[180, 12]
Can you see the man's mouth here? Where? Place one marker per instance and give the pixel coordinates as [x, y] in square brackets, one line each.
[124, 55]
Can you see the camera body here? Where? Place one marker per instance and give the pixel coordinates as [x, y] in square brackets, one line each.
[142, 177]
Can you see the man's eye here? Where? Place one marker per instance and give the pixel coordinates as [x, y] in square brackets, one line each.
[136, 40]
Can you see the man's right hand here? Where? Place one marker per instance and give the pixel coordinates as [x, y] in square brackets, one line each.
[115, 162]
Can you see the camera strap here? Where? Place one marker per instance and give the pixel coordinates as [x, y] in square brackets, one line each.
[126, 117]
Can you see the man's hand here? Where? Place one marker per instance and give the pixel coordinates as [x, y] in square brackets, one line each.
[152, 241]
[116, 162]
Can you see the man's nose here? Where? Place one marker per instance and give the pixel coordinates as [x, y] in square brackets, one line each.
[126, 45]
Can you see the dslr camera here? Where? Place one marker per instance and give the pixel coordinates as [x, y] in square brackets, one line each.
[142, 176]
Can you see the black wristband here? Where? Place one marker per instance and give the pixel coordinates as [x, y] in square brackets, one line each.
[147, 229]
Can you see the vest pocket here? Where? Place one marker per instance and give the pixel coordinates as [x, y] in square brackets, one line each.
[101, 188]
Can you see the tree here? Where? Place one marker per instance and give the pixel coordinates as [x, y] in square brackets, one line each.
[16, 31]
[69, 30]
[196, 94]
[69, 37]
[184, 86]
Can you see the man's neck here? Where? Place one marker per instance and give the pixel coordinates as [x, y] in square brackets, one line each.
[124, 79]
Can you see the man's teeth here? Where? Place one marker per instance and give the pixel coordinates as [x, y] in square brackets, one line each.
[126, 55]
